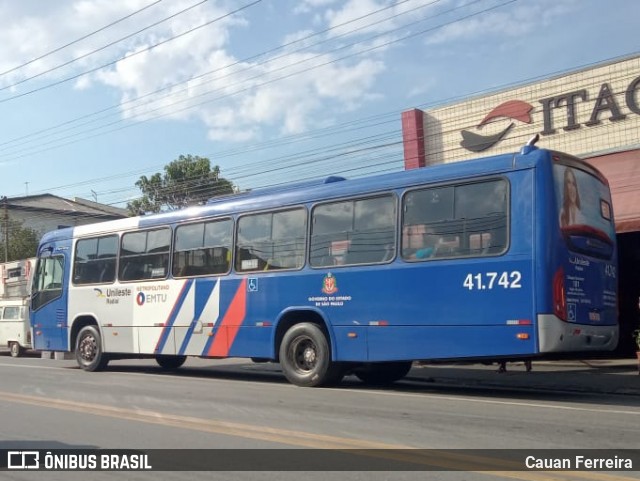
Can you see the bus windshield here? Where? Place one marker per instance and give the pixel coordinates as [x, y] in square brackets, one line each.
[584, 211]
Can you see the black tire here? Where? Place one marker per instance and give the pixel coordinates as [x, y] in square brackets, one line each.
[16, 349]
[170, 362]
[305, 357]
[383, 372]
[89, 353]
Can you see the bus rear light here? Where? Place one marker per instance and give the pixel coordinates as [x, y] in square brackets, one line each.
[559, 295]
[523, 336]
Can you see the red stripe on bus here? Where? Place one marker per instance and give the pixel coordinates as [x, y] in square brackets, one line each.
[230, 324]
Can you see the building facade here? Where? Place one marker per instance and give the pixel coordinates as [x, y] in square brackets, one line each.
[47, 212]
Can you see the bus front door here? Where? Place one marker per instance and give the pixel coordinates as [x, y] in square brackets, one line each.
[49, 302]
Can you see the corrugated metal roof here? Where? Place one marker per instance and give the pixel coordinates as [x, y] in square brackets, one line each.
[49, 202]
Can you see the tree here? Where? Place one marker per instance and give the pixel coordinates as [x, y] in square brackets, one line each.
[23, 241]
[187, 180]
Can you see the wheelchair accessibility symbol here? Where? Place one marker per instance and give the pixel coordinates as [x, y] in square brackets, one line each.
[252, 285]
[571, 312]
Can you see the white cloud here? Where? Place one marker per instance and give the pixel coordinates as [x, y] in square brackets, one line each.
[511, 23]
[356, 9]
[290, 93]
[306, 6]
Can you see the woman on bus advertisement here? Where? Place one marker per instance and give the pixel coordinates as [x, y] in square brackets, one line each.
[583, 200]
[584, 211]
[570, 213]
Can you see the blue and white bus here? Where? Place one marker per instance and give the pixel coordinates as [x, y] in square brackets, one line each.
[506, 257]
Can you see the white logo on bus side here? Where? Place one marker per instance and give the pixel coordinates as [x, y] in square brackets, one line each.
[493, 280]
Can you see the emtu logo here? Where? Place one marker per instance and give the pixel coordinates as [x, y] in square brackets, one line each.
[513, 109]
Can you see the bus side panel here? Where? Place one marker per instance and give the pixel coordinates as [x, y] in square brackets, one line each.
[162, 311]
[546, 250]
[197, 317]
[467, 307]
[110, 306]
[448, 342]
[427, 312]
[270, 298]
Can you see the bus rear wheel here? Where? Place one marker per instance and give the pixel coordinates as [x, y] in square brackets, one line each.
[89, 353]
[383, 372]
[16, 349]
[305, 357]
[170, 362]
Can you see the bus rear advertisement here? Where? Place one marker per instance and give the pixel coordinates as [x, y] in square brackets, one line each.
[502, 258]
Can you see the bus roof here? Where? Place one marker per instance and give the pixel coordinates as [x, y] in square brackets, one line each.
[311, 192]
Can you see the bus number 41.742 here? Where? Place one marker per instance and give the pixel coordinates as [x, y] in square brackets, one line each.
[493, 280]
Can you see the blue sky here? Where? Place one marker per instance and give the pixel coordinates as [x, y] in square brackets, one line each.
[279, 91]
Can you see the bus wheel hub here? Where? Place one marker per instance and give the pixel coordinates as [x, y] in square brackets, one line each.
[88, 349]
[309, 355]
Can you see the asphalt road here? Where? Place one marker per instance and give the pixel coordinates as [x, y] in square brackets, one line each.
[49, 404]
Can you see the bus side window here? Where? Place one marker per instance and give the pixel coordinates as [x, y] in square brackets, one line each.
[448, 246]
[413, 240]
[132, 271]
[479, 244]
[371, 247]
[108, 271]
[338, 252]
[321, 255]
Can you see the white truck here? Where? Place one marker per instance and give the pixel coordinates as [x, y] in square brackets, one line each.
[15, 331]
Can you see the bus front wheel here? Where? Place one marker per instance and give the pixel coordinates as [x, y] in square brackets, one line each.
[89, 353]
[305, 357]
[170, 362]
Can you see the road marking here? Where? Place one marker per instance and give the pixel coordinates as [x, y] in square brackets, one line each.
[367, 392]
[438, 459]
[502, 403]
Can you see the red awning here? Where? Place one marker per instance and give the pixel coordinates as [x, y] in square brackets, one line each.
[622, 170]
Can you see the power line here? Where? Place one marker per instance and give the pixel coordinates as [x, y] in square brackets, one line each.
[251, 87]
[256, 174]
[318, 168]
[246, 59]
[84, 37]
[128, 56]
[359, 124]
[75, 59]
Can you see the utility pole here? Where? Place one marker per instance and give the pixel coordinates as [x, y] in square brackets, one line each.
[6, 229]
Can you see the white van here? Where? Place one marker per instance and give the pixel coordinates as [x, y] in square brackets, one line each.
[15, 331]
